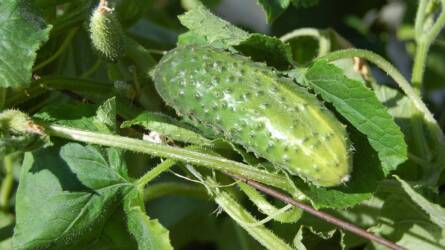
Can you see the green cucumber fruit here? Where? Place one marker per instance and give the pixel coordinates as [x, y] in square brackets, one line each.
[106, 33]
[251, 105]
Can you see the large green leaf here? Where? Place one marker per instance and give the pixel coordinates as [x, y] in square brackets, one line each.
[268, 49]
[422, 143]
[115, 234]
[434, 211]
[74, 195]
[208, 29]
[360, 106]
[92, 168]
[22, 31]
[411, 224]
[78, 194]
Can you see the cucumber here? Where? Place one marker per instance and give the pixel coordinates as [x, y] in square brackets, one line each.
[251, 105]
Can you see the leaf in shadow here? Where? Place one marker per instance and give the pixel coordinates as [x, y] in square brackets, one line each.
[61, 204]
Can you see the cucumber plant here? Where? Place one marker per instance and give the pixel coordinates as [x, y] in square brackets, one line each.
[125, 124]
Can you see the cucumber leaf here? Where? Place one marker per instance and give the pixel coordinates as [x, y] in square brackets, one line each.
[268, 49]
[408, 219]
[434, 211]
[207, 29]
[77, 191]
[73, 191]
[362, 109]
[23, 31]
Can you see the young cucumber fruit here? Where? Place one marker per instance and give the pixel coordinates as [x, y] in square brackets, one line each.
[106, 33]
[251, 105]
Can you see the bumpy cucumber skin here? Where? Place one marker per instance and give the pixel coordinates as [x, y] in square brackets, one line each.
[252, 106]
[106, 33]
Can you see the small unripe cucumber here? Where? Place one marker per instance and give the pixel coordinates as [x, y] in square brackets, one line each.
[251, 105]
[106, 33]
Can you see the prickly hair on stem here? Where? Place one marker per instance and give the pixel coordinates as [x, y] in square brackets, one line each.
[106, 32]
[15, 121]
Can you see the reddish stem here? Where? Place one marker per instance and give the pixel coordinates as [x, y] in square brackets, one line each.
[324, 216]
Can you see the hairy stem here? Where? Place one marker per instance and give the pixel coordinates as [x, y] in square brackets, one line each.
[396, 75]
[420, 17]
[185, 155]
[419, 66]
[285, 215]
[155, 172]
[437, 26]
[242, 236]
[244, 219]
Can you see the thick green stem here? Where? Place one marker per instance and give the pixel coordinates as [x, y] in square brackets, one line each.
[420, 17]
[267, 238]
[284, 216]
[7, 183]
[396, 75]
[419, 66]
[242, 236]
[159, 150]
[155, 172]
